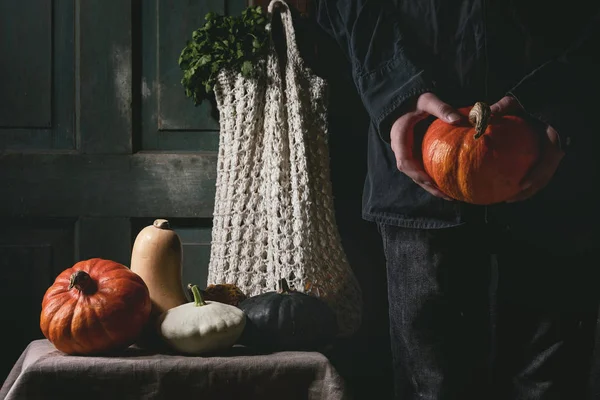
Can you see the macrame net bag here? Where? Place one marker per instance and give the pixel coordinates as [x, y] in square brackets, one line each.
[274, 214]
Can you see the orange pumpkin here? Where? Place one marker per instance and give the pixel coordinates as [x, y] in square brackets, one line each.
[483, 161]
[94, 307]
[226, 293]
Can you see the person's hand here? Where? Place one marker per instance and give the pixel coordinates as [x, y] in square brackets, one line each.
[402, 139]
[550, 157]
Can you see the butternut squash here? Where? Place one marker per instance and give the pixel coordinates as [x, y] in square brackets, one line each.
[157, 258]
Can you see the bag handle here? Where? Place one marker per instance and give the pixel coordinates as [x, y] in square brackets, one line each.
[293, 53]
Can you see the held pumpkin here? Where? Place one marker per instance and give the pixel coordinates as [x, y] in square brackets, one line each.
[484, 162]
[96, 306]
[287, 319]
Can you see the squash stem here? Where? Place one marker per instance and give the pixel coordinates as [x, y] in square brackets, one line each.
[479, 117]
[283, 286]
[198, 300]
[83, 282]
[162, 224]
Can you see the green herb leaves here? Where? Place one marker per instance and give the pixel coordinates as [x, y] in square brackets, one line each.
[230, 42]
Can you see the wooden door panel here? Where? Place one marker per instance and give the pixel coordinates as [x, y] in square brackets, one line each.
[32, 253]
[196, 253]
[170, 121]
[103, 237]
[104, 77]
[138, 185]
[174, 26]
[24, 276]
[26, 80]
[37, 75]
[58, 234]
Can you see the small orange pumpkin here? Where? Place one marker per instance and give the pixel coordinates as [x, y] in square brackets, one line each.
[484, 162]
[94, 307]
[226, 293]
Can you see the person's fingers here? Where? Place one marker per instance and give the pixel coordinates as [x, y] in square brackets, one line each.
[543, 171]
[402, 143]
[532, 183]
[434, 190]
[540, 174]
[524, 194]
[414, 170]
[402, 137]
[505, 105]
[431, 104]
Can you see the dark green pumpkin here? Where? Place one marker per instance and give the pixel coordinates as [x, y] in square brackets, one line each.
[287, 320]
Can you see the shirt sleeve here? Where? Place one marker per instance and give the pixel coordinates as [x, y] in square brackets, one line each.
[384, 70]
[563, 92]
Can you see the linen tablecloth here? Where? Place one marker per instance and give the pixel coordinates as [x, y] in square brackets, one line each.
[42, 372]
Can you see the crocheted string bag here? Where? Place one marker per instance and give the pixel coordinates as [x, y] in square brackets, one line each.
[274, 215]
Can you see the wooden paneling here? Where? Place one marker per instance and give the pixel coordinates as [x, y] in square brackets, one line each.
[108, 238]
[23, 280]
[174, 27]
[37, 74]
[32, 253]
[105, 76]
[140, 185]
[26, 69]
[196, 253]
[170, 121]
[56, 233]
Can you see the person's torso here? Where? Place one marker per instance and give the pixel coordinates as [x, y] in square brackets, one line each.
[479, 49]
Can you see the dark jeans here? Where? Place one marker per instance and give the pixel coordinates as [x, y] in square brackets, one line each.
[479, 313]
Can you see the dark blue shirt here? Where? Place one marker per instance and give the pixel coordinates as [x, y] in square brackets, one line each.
[542, 53]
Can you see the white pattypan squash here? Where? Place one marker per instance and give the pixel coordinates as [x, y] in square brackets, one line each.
[201, 326]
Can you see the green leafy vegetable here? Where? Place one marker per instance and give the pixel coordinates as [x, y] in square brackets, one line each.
[232, 42]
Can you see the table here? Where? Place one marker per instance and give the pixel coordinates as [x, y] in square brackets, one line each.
[42, 372]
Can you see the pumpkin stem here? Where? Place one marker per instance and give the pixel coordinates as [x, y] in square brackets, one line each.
[479, 117]
[198, 300]
[83, 282]
[283, 286]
